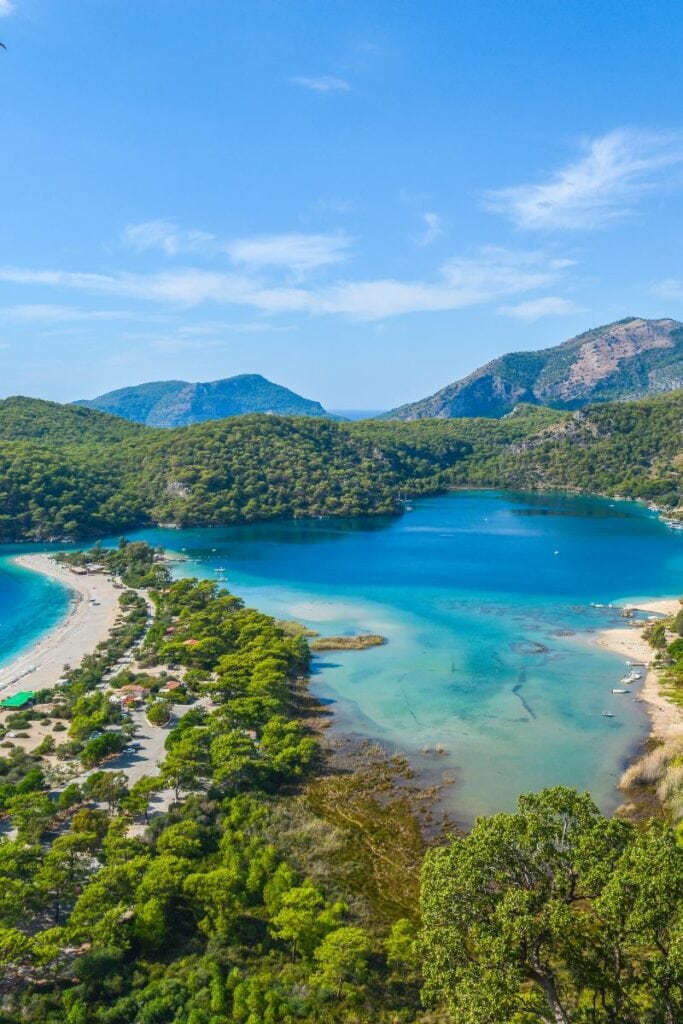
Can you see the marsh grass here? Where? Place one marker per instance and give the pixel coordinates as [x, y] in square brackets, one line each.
[347, 643]
[661, 772]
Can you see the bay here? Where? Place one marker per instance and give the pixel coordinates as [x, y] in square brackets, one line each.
[473, 591]
[487, 603]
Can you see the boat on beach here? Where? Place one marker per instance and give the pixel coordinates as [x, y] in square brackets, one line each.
[632, 677]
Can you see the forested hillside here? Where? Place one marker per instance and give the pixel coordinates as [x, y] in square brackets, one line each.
[31, 419]
[68, 473]
[634, 449]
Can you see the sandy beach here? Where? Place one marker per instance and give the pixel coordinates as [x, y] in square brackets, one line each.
[40, 666]
[666, 717]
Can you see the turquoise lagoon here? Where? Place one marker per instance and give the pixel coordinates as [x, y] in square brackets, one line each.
[476, 593]
[473, 591]
[30, 604]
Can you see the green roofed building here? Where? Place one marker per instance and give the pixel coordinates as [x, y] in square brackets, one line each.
[17, 700]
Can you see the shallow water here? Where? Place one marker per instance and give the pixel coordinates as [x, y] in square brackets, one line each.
[471, 590]
[30, 605]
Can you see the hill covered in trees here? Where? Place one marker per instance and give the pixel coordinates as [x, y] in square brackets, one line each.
[176, 403]
[629, 359]
[67, 472]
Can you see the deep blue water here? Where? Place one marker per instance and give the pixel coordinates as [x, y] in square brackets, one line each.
[472, 591]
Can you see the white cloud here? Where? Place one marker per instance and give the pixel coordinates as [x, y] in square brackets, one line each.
[56, 278]
[165, 236]
[337, 206]
[189, 286]
[321, 83]
[535, 309]
[489, 275]
[465, 281]
[6, 8]
[670, 288]
[433, 223]
[207, 336]
[614, 172]
[506, 271]
[51, 314]
[297, 252]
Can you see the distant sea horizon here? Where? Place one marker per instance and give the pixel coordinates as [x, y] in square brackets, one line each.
[356, 414]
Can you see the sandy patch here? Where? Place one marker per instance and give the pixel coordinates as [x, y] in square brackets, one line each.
[666, 717]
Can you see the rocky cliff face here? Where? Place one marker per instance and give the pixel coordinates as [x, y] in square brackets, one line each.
[632, 358]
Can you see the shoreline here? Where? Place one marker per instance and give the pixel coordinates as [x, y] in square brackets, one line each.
[40, 665]
[666, 717]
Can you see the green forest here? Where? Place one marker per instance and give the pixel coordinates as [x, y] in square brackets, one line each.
[68, 473]
[251, 878]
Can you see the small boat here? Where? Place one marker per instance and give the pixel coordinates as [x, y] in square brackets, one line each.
[615, 690]
[632, 677]
[636, 664]
[608, 714]
[219, 569]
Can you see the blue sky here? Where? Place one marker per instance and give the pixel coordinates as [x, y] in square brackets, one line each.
[362, 201]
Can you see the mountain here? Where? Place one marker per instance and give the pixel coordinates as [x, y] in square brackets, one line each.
[176, 403]
[56, 425]
[629, 359]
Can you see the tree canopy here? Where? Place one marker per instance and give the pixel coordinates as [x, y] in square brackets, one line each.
[557, 914]
[69, 472]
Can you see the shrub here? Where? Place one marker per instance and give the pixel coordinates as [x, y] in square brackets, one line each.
[159, 713]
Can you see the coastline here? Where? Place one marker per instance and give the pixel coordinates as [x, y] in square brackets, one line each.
[40, 665]
[666, 717]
